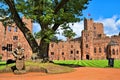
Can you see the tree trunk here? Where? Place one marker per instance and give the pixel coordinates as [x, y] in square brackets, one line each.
[26, 32]
[43, 50]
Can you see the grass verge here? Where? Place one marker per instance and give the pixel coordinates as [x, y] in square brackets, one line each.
[88, 63]
[37, 67]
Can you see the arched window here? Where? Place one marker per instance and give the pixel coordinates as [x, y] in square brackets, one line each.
[100, 50]
[94, 50]
[113, 52]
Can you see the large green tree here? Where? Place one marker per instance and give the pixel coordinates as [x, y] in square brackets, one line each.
[50, 14]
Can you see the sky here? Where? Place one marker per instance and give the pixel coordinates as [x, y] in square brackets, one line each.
[104, 11]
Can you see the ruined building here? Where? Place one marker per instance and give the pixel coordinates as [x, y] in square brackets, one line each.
[93, 43]
[10, 38]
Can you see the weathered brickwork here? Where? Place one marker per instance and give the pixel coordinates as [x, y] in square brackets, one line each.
[93, 44]
[10, 39]
[68, 50]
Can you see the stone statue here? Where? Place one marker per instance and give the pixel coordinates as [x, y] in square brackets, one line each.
[18, 53]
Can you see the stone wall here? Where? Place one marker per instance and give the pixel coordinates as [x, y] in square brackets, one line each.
[10, 39]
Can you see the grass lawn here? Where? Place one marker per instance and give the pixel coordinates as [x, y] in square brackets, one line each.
[36, 67]
[88, 63]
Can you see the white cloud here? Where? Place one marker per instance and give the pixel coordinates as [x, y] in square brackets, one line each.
[77, 28]
[111, 25]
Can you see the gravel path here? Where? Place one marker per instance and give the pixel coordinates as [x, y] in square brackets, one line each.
[81, 73]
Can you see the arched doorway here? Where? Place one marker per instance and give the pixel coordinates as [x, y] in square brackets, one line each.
[87, 57]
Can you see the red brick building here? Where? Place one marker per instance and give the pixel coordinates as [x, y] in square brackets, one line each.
[93, 44]
[10, 39]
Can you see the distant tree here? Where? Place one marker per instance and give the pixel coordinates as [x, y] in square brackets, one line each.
[50, 14]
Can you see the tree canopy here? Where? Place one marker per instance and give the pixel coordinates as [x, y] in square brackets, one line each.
[50, 14]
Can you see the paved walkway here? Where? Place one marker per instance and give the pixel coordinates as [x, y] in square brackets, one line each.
[82, 73]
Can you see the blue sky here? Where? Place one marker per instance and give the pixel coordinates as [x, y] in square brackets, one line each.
[104, 11]
[103, 8]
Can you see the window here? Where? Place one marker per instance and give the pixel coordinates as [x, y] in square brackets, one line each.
[52, 45]
[15, 37]
[94, 50]
[3, 48]
[52, 53]
[100, 50]
[77, 52]
[15, 29]
[9, 28]
[113, 52]
[62, 53]
[71, 46]
[86, 45]
[71, 52]
[9, 47]
[94, 28]
[99, 35]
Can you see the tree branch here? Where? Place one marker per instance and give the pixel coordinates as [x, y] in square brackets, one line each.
[26, 32]
[60, 5]
[55, 27]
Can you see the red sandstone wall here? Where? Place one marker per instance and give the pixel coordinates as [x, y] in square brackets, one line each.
[65, 51]
[10, 39]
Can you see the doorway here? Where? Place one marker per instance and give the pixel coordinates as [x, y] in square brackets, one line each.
[87, 57]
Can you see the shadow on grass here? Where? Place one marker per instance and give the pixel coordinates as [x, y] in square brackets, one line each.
[2, 64]
[9, 61]
[69, 65]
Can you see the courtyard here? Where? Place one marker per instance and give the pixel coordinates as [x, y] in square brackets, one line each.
[80, 73]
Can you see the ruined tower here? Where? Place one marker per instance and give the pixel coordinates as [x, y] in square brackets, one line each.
[87, 39]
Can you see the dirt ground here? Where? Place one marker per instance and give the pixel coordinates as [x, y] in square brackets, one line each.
[81, 73]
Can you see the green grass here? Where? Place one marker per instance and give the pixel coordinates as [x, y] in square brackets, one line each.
[88, 63]
[35, 67]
